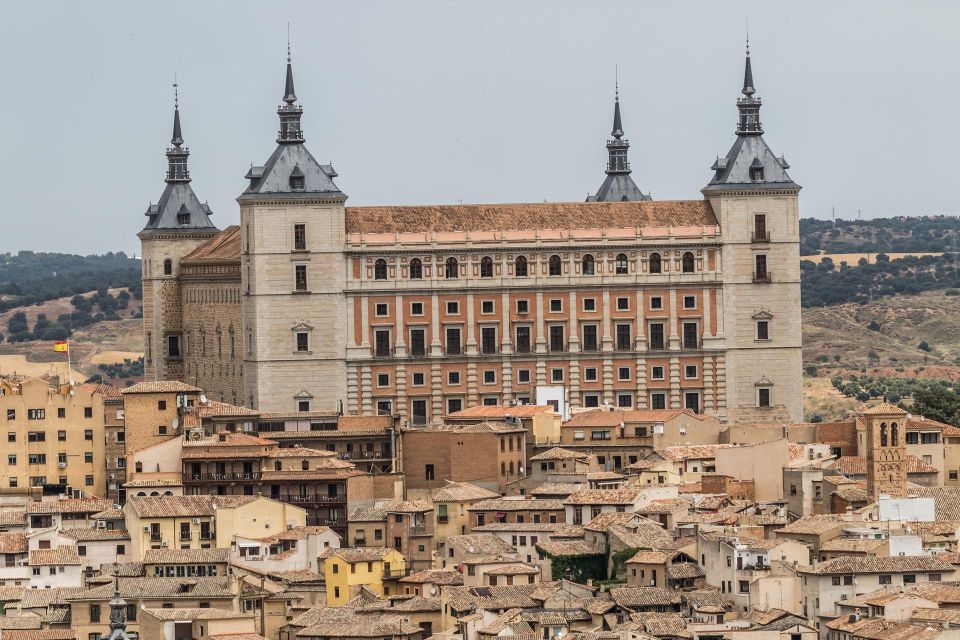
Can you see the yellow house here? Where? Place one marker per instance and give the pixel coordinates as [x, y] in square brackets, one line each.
[346, 570]
[204, 522]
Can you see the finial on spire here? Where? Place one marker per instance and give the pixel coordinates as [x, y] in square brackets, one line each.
[748, 89]
[617, 131]
[616, 82]
[289, 95]
[288, 43]
[177, 138]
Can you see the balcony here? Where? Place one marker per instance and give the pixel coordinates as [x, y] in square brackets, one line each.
[310, 498]
[396, 573]
[326, 522]
[522, 347]
[384, 352]
[453, 350]
[760, 236]
[222, 477]
[364, 455]
[762, 276]
[420, 530]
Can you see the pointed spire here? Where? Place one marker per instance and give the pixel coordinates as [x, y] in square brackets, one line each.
[177, 138]
[289, 111]
[748, 89]
[617, 124]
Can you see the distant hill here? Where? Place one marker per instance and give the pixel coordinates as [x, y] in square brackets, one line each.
[890, 235]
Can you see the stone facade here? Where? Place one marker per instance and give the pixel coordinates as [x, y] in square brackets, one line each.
[886, 451]
[423, 311]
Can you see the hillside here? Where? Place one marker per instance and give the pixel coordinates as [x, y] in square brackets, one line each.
[898, 235]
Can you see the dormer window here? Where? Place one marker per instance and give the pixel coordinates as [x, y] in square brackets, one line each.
[297, 180]
[756, 174]
[183, 215]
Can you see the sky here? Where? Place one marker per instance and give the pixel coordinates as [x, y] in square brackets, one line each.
[422, 102]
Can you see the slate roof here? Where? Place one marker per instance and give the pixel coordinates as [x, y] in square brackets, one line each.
[162, 217]
[545, 215]
[733, 170]
[273, 178]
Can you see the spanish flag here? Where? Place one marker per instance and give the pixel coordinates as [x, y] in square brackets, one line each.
[60, 346]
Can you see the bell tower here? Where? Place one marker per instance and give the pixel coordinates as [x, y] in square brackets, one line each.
[886, 451]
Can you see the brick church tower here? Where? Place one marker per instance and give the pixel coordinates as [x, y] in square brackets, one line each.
[886, 451]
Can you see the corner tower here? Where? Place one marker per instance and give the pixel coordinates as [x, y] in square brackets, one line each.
[176, 225]
[618, 185]
[886, 451]
[293, 274]
[756, 203]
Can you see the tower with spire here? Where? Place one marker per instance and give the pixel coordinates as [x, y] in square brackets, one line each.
[618, 185]
[757, 207]
[118, 615]
[292, 221]
[176, 224]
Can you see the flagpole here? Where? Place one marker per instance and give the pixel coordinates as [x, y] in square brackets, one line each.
[69, 366]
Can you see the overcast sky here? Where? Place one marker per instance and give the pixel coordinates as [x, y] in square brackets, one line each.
[494, 101]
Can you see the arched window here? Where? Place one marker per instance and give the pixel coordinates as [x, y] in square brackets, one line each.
[520, 267]
[380, 269]
[486, 267]
[416, 269]
[894, 436]
[621, 264]
[452, 269]
[167, 267]
[588, 265]
[168, 493]
[687, 262]
[656, 263]
[883, 434]
[555, 269]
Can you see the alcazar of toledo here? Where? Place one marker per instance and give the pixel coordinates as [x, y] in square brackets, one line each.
[419, 311]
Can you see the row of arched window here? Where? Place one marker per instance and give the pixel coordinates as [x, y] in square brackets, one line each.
[521, 268]
[894, 437]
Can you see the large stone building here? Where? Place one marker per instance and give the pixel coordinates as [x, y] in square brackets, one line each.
[425, 310]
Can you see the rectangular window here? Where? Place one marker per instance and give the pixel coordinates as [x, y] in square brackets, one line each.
[303, 341]
[761, 268]
[416, 308]
[488, 340]
[486, 307]
[454, 405]
[656, 372]
[428, 473]
[453, 308]
[382, 309]
[173, 346]
[556, 305]
[590, 374]
[36, 414]
[592, 400]
[656, 336]
[36, 436]
[556, 375]
[383, 379]
[589, 304]
[419, 379]
[656, 302]
[300, 277]
[11, 414]
[453, 377]
[557, 342]
[523, 306]
[453, 341]
[418, 412]
[623, 304]
[382, 342]
[763, 397]
[299, 237]
[624, 400]
[88, 456]
[489, 377]
[62, 413]
[624, 341]
[886, 578]
[623, 373]
[689, 302]
[763, 330]
[589, 337]
[523, 376]
[522, 344]
[691, 401]
[418, 342]
[760, 233]
[690, 371]
[691, 335]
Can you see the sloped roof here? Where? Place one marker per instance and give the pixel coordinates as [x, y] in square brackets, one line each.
[559, 453]
[500, 411]
[223, 247]
[607, 418]
[177, 197]
[462, 492]
[733, 171]
[274, 176]
[545, 215]
[881, 564]
[857, 465]
[161, 386]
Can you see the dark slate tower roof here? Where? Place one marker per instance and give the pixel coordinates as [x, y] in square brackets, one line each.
[750, 165]
[179, 210]
[291, 171]
[618, 185]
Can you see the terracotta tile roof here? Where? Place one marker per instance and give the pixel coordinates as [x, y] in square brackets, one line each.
[462, 492]
[369, 514]
[216, 409]
[13, 543]
[851, 545]
[162, 386]
[479, 427]
[568, 532]
[464, 599]
[499, 411]
[123, 569]
[924, 615]
[62, 555]
[300, 452]
[410, 506]
[326, 434]
[607, 418]
[882, 564]
[186, 556]
[357, 554]
[189, 613]
[852, 494]
[555, 489]
[513, 569]
[665, 506]
[28, 621]
[881, 629]
[604, 521]
[630, 597]
[362, 627]
[884, 409]
[559, 453]
[685, 571]
[604, 496]
[946, 499]
[645, 536]
[89, 534]
[297, 415]
[184, 506]
[523, 216]
[521, 504]
[692, 452]
[105, 390]
[652, 557]
[331, 473]
[69, 505]
[296, 533]
[223, 247]
[443, 577]
[570, 548]
[479, 544]
[600, 476]
[150, 588]
[147, 482]
[13, 518]
[349, 423]
[813, 525]
[237, 636]
[42, 598]
[229, 440]
[39, 634]
[857, 465]
[519, 527]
